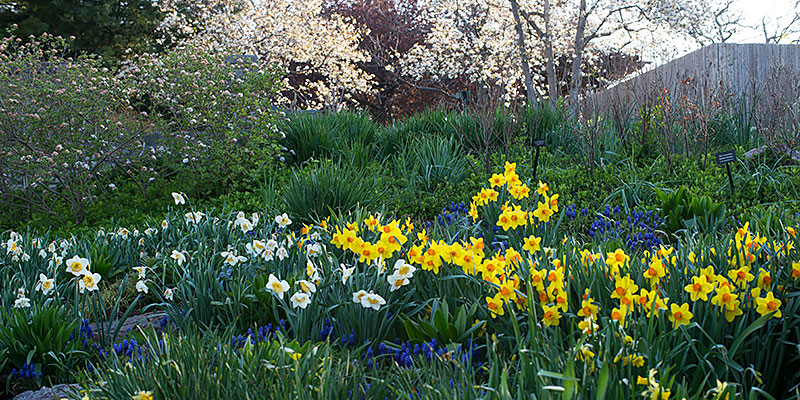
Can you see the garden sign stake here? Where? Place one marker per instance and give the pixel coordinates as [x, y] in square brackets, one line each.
[539, 143]
[726, 158]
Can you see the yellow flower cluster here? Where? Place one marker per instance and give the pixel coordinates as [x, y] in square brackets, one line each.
[391, 239]
[512, 215]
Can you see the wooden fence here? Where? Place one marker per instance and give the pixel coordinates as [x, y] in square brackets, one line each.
[724, 68]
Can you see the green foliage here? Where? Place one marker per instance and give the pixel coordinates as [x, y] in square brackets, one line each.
[343, 135]
[319, 190]
[443, 326]
[105, 27]
[428, 162]
[274, 368]
[41, 335]
[107, 261]
[542, 121]
[681, 210]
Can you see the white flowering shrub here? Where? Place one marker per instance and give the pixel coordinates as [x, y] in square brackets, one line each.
[64, 121]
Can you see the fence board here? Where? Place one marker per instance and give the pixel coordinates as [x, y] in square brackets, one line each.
[738, 68]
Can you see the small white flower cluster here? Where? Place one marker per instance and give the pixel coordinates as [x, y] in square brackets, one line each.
[267, 250]
[14, 248]
[246, 225]
[403, 272]
[231, 257]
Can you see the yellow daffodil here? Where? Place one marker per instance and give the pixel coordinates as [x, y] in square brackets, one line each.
[699, 288]
[495, 305]
[543, 212]
[550, 315]
[497, 180]
[724, 298]
[768, 304]
[589, 309]
[680, 315]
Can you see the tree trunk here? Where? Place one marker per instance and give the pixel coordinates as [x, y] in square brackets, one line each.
[523, 54]
[552, 83]
[578, 59]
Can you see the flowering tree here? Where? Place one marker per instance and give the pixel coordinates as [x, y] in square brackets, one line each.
[319, 50]
[481, 39]
[365, 52]
[390, 28]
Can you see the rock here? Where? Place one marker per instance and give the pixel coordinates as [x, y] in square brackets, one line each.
[143, 320]
[754, 152]
[781, 150]
[57, 392]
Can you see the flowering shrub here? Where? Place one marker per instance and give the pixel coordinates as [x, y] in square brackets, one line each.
[65, 120]
[216, 108]
[71, 126]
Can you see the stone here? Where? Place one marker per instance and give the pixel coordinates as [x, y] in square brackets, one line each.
[55, 393]
[144, 321]
[781, 150]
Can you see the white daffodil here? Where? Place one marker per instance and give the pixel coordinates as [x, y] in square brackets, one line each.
[267, 255]
[22, 302]
[255, 219]
[313, 249]
[55, 261]
[397, 281]
[141, 286]
[279, 287]
[231, 258]
[123, 233]
[77, 265]
[373, 301]
[43, 253]
[301, 300]
[151, 231]
[346, 272]
[141, 241]
[243, 223]
[255, 248]
[178, 256]
[193, 217]
[403, 269]
[164, 224]
[89, 281]
[306, 286]
[11, 246]
[282, 253]
[178, 197]
[272, 245]
[357, 296]
[45, 285]
[283, 220]
[312, 272]
[21, 292]
[141, 270]
[168, 294]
